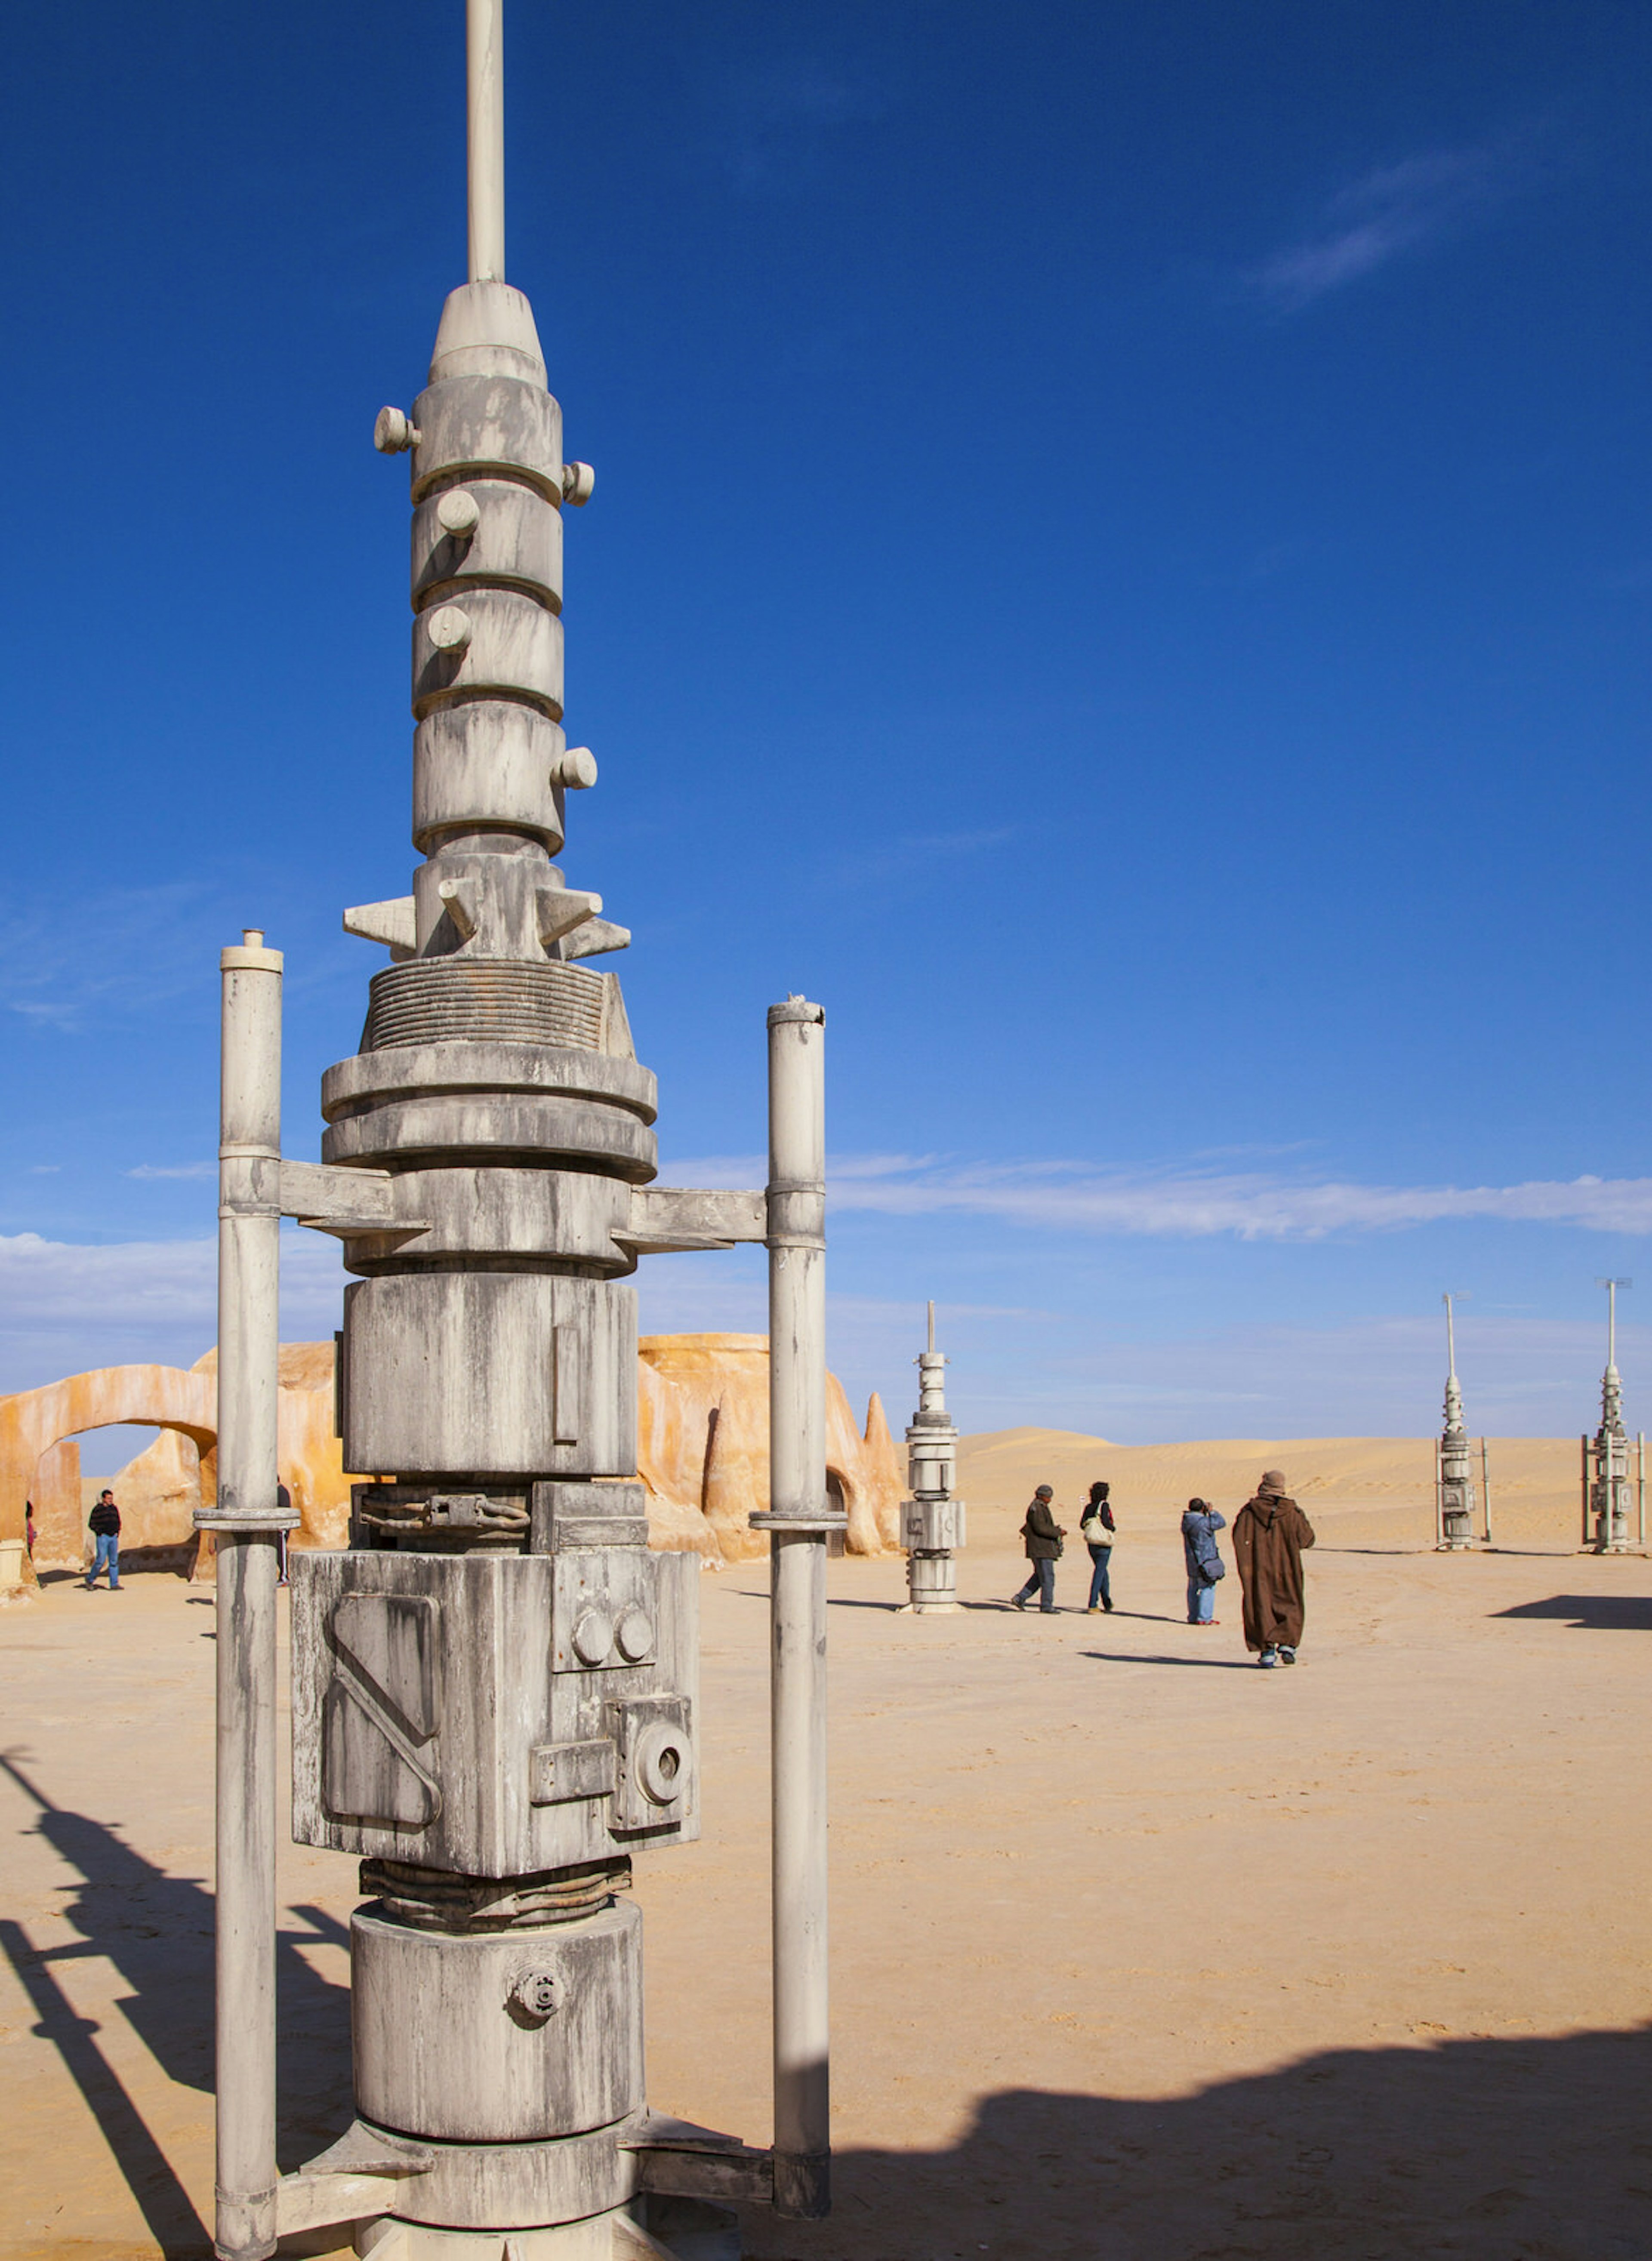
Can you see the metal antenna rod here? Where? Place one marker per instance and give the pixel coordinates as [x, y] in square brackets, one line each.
[1451, 1340]
[931, 1326]
[485, 136]
[1611, 1288]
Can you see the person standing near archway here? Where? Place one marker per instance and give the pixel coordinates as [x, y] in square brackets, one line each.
[103, 1523]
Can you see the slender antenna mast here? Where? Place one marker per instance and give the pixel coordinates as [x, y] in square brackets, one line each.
[1451, 1340]
[485, 136]
[1611, 1288]
[931, 1326]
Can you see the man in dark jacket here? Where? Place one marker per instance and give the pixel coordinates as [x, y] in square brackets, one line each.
[1043, 1535]
[1269, 1533]
[103, 1523]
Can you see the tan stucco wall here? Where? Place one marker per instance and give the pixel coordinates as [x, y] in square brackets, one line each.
[703, 1453]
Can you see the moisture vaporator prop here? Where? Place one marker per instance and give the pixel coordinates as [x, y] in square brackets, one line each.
[494, 1685]
[932, 1526]
[1613, 1497]
[1454, 1530]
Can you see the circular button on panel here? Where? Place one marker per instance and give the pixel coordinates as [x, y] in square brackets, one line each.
[536, 1995]
[592, 1636]
[635, 1634]
[661, 1762]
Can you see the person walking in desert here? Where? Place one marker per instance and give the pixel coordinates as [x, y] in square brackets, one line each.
[1043, 1536]
[1204, 1558]
[1099, 1531]
[1269, 1534]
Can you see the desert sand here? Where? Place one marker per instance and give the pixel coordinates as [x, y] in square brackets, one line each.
[1139, 1953]
[1366, 1490]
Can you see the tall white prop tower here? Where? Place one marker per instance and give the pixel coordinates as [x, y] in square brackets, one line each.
[494, 1687]
[1454, 1464]
[1609, 1491]
[932, 1521]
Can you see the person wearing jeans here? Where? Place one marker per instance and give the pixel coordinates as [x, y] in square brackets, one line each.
[1204, 1558]
[103, 1523]
[1099, 1531]
[1042, 1535]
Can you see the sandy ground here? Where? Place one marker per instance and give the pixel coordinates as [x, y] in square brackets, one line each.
[1372, 1491]
[1139, 1953]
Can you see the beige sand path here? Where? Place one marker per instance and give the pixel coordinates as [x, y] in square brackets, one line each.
[1139, 1953]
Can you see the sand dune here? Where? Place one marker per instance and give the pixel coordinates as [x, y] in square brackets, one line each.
[1363, 1490]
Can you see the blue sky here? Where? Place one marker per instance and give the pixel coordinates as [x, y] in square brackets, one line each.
[1120, 563]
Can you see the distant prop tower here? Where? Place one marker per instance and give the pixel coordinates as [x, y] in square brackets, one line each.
[1454, 1465]
[1606, 1482]
[932, 1521]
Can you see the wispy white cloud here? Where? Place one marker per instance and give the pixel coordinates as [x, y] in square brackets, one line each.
[1373, 1376]
[779, 114]
[1252, 1206]
[142, 948]
[68, 1305]
[1395, 210]
[916, 855]
[173, 1170]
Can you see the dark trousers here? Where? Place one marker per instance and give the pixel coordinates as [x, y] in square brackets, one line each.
[1040, 1581]
[1100, 1589]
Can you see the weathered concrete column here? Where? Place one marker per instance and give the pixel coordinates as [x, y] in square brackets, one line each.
[245, 1523]
[799, 1524]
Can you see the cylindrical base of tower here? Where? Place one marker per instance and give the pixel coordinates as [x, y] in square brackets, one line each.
[931, 1583]
[540, 2030]
[642, 2231]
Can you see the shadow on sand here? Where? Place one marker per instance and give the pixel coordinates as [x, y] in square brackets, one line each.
[1201, 1663]
[1590, 1612]
[157, 1932]
[1478, 2149]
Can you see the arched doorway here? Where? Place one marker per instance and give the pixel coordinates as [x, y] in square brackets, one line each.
[160, 1486]
[837, 1502]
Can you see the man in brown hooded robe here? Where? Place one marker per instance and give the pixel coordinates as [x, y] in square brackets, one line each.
[1269, 1533]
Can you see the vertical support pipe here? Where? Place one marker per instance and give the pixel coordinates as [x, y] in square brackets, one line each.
[485, 136]
[798, 1522]
[1583, 1441]
[245, 1523]
[1485, 1487]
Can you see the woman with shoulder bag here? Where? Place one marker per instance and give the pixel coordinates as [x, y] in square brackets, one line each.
[1199, 1527]
[1098, 1531]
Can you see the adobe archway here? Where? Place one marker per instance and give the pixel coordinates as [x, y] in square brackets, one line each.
[57, 1493]
[33, 1421]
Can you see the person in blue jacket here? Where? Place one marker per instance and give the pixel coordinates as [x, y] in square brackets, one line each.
[1199, 1527]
